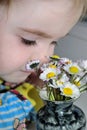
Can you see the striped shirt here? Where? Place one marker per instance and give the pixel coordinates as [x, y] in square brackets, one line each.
[14, 111]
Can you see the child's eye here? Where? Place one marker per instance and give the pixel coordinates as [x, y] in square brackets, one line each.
[28, 42]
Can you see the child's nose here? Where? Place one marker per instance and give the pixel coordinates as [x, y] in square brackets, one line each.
[44, 59]
[44, 55]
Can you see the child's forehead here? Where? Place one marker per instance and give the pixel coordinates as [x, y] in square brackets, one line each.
[42, 2]
[37, 14]
[51, 16]
[8, 2]
[42, 5]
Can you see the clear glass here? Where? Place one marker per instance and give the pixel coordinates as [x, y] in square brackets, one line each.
[60, 115]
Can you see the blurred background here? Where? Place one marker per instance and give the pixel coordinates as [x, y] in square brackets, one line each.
[74, 45]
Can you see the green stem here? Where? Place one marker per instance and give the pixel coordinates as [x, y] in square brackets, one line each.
[82, 77]
[83, 88]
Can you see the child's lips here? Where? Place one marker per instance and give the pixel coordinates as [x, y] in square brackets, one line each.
[31, 72]
[27, 72]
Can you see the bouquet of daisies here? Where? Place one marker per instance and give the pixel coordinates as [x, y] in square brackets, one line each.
[63, 78]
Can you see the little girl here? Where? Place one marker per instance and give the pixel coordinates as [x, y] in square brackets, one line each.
[29, 31]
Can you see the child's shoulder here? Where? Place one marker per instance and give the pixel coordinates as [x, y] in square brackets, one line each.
[31, 93]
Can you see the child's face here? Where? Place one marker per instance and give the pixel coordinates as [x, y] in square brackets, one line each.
[42, 21]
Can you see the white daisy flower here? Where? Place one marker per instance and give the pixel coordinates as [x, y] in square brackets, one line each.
[65, 61]
[70, 90]
[44, 66]
[53, 84]
[49, 73]
[32, 65]
[83, 64]
[73, 68]
[43, 94]
[62, 80]
[59, 83]
[54, 57]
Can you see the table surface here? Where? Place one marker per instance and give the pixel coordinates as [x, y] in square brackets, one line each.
[81, 103]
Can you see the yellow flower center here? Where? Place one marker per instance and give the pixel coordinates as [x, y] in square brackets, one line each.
[55, 56]
[52, 66]
[74, 69]
[50, 75]
[67, 91]
[59, 82]
[77, 83]
[68, 62]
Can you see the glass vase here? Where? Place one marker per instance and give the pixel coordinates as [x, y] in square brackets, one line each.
[60, 115]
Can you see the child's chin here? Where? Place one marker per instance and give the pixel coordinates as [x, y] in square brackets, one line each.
[17, 81]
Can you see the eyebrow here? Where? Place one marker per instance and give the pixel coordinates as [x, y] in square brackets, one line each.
[36, 32]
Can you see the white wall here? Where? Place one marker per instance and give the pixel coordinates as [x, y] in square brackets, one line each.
[74, 45]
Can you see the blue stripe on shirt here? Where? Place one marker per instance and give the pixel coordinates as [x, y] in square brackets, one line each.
[12, 108]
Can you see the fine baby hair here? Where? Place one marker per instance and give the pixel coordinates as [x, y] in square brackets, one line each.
[78, 3]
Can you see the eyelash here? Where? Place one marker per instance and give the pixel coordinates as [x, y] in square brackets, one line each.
[31, 42]
[28, 42]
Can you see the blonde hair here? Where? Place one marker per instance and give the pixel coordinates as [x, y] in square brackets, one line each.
[83, 4]
[4, 2]
[77, 3]
[85, 7]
